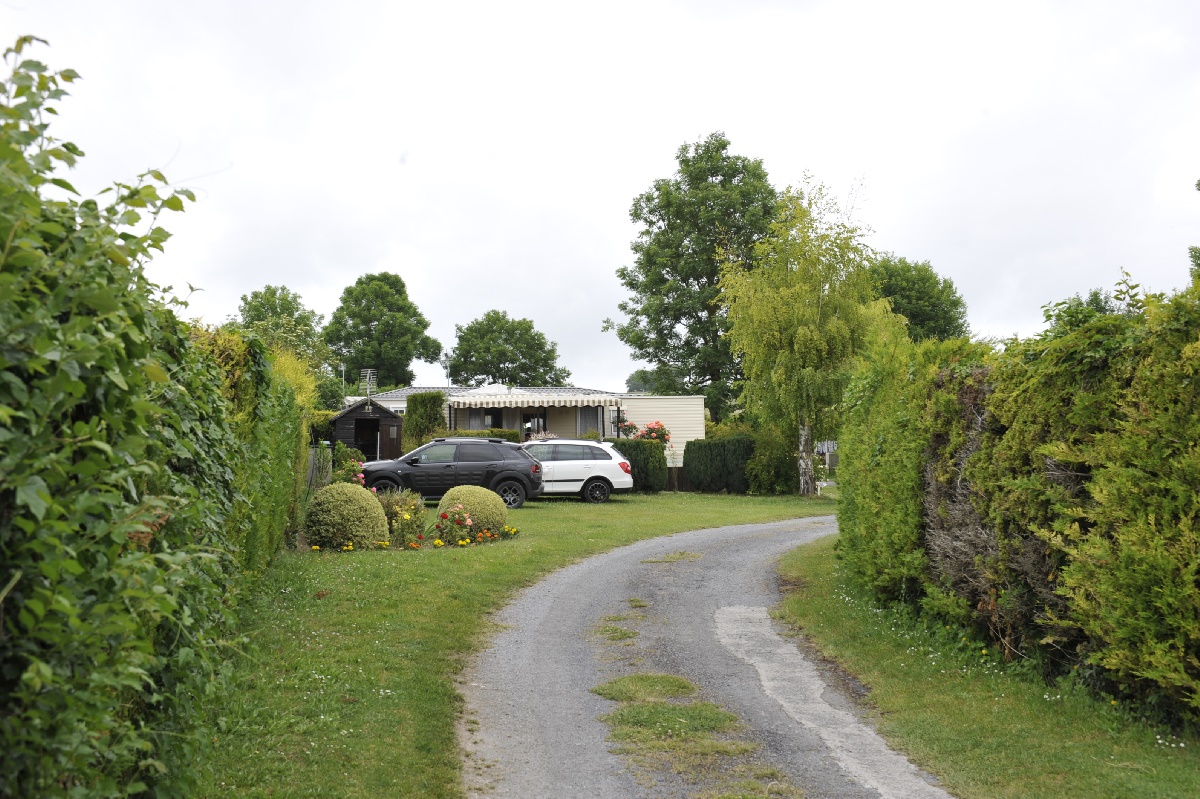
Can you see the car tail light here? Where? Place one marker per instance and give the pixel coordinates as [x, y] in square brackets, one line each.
[535, 468]
[625, 467]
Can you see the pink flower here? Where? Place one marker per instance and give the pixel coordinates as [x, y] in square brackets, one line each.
[468, 522]
[374, 490]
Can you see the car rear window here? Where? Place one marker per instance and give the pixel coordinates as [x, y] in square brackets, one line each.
[481, 452]
[598, 454]
[543, 452]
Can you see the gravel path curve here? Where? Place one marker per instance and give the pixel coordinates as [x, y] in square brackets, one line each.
[531, 724]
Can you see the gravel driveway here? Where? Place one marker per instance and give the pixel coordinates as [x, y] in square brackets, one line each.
[532, 725]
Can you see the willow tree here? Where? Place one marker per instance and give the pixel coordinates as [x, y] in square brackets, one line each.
[799, 318]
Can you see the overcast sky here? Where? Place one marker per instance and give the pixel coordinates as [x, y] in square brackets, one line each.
[488, 153]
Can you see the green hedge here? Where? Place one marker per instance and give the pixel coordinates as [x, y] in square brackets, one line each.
[492, 432]
[647, 460]
[1045, 494]
[126, 476]
[719, 464]
[424, 414]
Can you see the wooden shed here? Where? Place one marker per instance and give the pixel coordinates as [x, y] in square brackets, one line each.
[371, 428]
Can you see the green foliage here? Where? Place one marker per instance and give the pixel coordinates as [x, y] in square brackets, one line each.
[321, 425]
[330, 394]
[277, 316]
[772, 466]
[719, 464]
[1133, 575]
[497, 349]
[647, 460]
[377, 326]
[405, 512]
[1045, 493]
[492, 432]
[345, 456]
[928, 301]
[269, 422]
[487, 510]
[115, 483]
[424, 413]
[344, 515]
[800, 317]
[712, 211]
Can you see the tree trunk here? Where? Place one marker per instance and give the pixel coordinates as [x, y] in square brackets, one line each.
[804, 462]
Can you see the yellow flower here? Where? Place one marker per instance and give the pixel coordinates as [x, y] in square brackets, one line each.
[407, 517]
[439, 543]
[316, 549]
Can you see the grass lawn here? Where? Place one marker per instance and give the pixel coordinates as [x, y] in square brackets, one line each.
[347, 688]
[963, 714]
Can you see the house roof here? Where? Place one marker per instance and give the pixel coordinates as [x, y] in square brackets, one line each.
[498, 396]
[354, 406]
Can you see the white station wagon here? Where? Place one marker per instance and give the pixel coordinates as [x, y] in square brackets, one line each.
[591, 469]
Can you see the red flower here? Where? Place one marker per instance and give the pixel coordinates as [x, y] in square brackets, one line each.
[445, 516]
[420, 537]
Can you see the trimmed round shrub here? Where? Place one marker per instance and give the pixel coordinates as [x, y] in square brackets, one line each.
[343, 513]
[485, 507]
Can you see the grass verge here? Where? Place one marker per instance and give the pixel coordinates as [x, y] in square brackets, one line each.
[348, 687]
[661, 730]
[957, 710]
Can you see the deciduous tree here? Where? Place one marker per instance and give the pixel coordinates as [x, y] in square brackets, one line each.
[930, 303]
[497, 349]
[712, 211]
[799, 318]
[378, 327]
[277, 315]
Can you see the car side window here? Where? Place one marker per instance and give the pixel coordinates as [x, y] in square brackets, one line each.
[542, 452]
[598, 454]
[478, 453]
[572, 452]
[438, 453]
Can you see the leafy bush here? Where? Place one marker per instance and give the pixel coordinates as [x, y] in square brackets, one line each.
[486, 509]
[342, 515]
[405, 512]
[647, 460]
[424, 413]
[115, 483]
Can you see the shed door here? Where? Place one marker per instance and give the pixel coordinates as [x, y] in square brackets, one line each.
[389, 440]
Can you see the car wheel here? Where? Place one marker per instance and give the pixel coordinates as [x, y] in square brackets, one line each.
[385, 484]
[513, 494]
[595, 490]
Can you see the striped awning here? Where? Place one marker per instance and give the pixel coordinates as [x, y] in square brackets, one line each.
[531, 400]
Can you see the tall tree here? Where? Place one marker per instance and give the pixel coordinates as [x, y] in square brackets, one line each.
[277, 315]
[378, 327]
[801, 316]
[711, 212]
[930, 303]
[497, 349]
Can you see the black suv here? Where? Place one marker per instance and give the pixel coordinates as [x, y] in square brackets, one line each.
[444, 463]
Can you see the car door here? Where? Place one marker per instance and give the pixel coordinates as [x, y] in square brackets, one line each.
[434, 472]
[544, 453]
[572, 467]
[478, 463]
